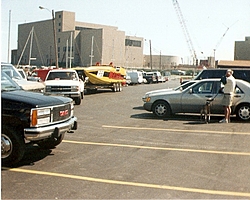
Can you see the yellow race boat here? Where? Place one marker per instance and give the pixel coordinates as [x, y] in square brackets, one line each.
[103, 76]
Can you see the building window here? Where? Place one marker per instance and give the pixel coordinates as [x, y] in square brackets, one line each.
[58, 49]
[134, 43]
[59, 24]
[59, 40]
[59, 30]
[65, 48]
[59, 16]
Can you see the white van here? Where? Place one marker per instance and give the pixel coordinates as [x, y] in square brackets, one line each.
[136, 77]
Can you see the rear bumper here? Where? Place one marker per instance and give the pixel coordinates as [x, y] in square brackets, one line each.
[40, 133]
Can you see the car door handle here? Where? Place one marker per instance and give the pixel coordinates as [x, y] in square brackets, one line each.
[237, 96]
[209, 96]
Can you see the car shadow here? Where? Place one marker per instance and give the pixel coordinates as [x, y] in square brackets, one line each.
[32, 154]
[99, 91]
[189, 119]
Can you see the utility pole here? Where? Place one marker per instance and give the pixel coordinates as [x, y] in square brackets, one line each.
[67, 56]
[151, 60]
[55, 43]
[91, 53]
[8, 59]
[71, 48]
[160, 61]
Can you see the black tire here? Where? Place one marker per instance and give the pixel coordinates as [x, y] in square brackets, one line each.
[51, 143]
[161, 109]
[243, 112]
[115, 87]
[82, 95]
[78, 100]
[13, 146]
[119, 87]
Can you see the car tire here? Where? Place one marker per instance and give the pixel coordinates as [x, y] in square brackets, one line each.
[161, 109]
[51, 143]
[78, 100]
[13, 146]
[243, 112]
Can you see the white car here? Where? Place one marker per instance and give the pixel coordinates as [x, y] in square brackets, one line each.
[13, 73]
[64, 82]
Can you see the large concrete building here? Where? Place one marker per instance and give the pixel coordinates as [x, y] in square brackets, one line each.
[242, 49]
[90, 43]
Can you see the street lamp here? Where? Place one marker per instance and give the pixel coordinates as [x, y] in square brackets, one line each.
[54, 32]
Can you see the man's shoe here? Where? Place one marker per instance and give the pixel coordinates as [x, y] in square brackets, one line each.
[223, 121]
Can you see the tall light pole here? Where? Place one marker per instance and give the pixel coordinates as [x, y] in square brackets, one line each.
[54, 32]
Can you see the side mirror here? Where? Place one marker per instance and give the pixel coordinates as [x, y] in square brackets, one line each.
[190, 91]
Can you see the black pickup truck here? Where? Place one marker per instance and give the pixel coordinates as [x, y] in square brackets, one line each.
[30, 117]
[150, 77]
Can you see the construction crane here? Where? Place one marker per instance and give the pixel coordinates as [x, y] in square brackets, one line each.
[220, 40]
[185, 31]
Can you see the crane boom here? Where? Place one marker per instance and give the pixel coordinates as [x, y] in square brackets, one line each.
[185, 30]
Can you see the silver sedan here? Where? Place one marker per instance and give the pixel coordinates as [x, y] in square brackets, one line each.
[164, 103]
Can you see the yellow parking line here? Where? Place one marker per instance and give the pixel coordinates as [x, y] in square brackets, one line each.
[147, 185]
[159, 148]
[176, 130]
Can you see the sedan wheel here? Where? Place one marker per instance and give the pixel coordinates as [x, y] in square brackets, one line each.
[243, 112]
[161, 109]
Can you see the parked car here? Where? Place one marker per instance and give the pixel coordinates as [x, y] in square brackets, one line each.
[31, 117]
[64, 82]
[29, 78]
[166, 75]
[193, 98]
[135, 76]
[159, 77]
[22, 72]
[241, 73]
[179, 88]
[128, 79]
[13, 73]
[178, 72]
[149, 77]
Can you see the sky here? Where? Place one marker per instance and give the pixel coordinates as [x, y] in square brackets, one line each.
[213, 25]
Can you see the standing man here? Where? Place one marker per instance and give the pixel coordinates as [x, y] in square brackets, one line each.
[229, 88]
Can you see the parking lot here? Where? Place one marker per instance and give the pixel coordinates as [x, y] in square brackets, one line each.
[121, 151]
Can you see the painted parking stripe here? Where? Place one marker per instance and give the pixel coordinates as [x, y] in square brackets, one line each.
[135, 184]
[176, 130]
[159, 148]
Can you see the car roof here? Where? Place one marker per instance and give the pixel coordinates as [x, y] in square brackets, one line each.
[224, 69]
[62, 70]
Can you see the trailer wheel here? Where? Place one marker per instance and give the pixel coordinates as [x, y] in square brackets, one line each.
[120, 87]
[115, 87]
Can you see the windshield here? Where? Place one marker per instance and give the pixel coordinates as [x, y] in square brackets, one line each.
[11, 71]
[184, 86]
[7, 84]
[62, 75]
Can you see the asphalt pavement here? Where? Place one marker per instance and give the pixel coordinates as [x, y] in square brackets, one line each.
[121, 151]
